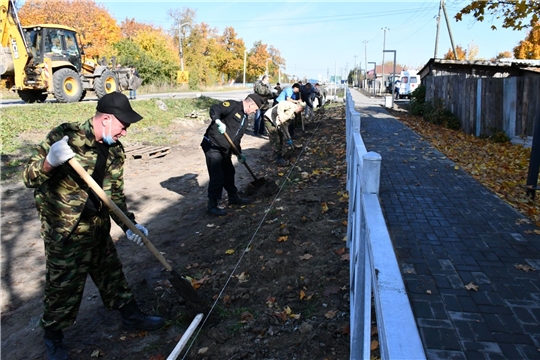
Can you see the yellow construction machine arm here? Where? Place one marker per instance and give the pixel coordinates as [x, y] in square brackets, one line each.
[14, 52]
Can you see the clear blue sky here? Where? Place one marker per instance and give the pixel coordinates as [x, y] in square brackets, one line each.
[316, 38]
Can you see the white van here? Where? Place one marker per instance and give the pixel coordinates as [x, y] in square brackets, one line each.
[409, 81]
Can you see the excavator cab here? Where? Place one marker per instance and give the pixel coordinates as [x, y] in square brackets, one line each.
[55, 43]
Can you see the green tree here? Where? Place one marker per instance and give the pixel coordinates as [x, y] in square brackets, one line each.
[516, 15]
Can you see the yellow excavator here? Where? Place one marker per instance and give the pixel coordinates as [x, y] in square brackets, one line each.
[44, 59]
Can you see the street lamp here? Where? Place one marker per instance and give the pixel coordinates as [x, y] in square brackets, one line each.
[245, 59]
[374, 74]
[180, 43]
[392, 85]
[266, 73]
[384, 47]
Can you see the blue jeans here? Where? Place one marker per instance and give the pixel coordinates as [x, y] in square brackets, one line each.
[258, 126]
[132, 94]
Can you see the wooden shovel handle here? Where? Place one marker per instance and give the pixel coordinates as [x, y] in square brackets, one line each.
[111, 205]
[236, 152]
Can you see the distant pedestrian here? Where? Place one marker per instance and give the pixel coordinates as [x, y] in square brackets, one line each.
[134, 82]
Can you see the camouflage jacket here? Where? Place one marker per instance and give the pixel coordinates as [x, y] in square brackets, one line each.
[61, 195]
[264, 91]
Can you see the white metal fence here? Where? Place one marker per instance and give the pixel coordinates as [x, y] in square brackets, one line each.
[373, 264]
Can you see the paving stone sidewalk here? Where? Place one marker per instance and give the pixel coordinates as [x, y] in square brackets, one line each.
[448, 231]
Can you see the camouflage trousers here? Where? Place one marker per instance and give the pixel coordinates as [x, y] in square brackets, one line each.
[275, 136]
[89, 250]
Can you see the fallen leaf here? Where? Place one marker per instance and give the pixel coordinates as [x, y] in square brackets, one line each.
[203, 350]
[229, 252]
[471, 286]
[339, 251]
[525, 268]
[283, 238]
[345, 257]
[302, 294]
[279, 251]
[305, 257]
[96, 353]
[324, 207]
[243, 277]
[374, 345]
[330, 314]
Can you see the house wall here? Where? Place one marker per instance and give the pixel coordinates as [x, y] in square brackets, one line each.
[485, 104]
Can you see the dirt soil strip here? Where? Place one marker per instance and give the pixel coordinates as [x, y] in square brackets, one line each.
[287, 299]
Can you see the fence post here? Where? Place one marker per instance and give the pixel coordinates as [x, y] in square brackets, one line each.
[534, 162]
[478, 130]
[509, 106]
[371, 176]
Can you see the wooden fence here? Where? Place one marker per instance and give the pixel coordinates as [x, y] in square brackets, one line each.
[510, 104]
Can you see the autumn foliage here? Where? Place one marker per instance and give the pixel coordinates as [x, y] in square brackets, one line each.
[97, 28]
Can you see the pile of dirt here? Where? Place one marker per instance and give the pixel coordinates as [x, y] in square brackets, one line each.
[275, 273]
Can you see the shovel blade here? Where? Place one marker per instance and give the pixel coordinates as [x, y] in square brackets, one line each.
[258, 182]
[184, 288]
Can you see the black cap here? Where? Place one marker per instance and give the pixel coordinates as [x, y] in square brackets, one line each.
[117, 104]
[257, 99]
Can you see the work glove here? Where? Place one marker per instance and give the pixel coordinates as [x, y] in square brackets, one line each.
[241, 158]
[60, 152]
[289, 142]
[221, 127]
[134, 237]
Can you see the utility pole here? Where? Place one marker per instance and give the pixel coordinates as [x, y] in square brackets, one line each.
[365, 60]
[449, 30]
[245, 59]
[354, 70]
[180, 43]
[438, 27]
[383, 48]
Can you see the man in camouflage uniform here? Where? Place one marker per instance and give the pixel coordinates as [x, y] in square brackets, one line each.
[263, 89]
[75, 224]
[275, 120]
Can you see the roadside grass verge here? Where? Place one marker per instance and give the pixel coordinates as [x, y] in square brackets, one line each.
[22, 127]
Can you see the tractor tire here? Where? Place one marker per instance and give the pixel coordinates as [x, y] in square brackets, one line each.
[68, 86]
[32, 96]
[105, 84]
[83, 95]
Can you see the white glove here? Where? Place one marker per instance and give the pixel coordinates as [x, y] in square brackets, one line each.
[60, 152]
[134, 237]
[221, 127]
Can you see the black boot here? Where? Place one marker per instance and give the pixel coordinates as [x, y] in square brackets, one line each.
[54, 348]
[280, 161]
[134, 319]
[237, 200]
[213, 208]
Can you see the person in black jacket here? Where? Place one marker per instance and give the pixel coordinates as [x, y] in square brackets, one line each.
[231, 117]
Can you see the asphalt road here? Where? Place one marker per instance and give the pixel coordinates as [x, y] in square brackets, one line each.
[220, 95]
